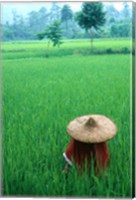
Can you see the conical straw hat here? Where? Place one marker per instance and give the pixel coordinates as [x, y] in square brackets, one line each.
[92, 129]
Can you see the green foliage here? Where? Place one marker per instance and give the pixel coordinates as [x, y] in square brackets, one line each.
[67, 21]
[122, 29]
[8, 33]
[126, 11]
[40, 36]
[109, 51]
[53, 33]
[26, 28]
[55, 13]
[92, 15]
[66, 13]
[125, 50]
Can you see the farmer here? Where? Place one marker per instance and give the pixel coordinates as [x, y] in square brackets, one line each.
[88, 144]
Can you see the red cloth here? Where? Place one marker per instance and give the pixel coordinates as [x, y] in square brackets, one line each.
[79, 152]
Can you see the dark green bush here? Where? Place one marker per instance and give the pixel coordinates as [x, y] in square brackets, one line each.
[109, 51]
[125, 50]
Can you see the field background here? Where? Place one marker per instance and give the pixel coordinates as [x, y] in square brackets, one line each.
[43, 90]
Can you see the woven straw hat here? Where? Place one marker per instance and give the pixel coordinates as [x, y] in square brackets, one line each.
[92, 128]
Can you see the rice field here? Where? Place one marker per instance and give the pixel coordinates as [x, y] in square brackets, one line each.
[37, 49]
[40, 97]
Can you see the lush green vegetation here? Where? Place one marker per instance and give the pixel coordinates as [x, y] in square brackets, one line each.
[40, 97]
[25, 27]
[69, 47]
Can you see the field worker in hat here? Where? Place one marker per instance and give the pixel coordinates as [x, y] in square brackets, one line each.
[89, 135]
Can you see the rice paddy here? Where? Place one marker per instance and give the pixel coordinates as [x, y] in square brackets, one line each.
[41, 96]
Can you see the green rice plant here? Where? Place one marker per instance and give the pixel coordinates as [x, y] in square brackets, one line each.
[40, 97]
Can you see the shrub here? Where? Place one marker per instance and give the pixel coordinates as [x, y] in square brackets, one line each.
[109, 51]
[125, 50]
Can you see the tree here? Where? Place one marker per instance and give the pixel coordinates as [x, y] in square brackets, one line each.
[126, 11]
[42, 18]
[66, 15]
[53, 33]
[112, 15]
[15, 26]
[91, 17]
[54, 12]
[33, 24]
[122, 29]
[18, 28]
[7, 33]
[112, 12]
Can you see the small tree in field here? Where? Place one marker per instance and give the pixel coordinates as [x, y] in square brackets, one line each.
[53, 33]
[91, 16]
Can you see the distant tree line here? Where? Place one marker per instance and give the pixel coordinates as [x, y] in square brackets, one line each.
[117, 24]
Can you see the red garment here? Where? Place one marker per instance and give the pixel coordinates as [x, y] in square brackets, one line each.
[79, 152]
